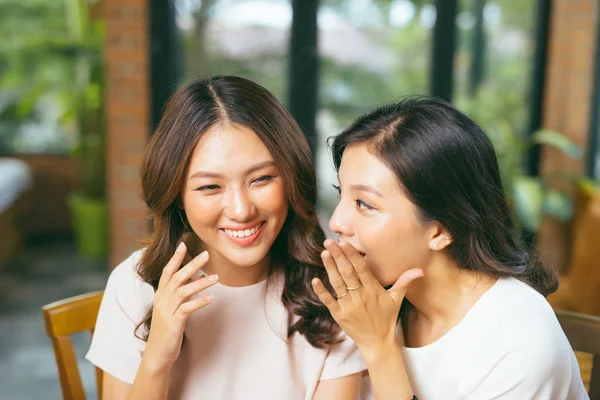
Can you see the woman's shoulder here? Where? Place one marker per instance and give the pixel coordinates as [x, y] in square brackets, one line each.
[125, 282]
[127, 270]
[517, 301]
[513, 326]
[523, 319]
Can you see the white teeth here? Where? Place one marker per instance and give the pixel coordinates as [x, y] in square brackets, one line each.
[243, 233]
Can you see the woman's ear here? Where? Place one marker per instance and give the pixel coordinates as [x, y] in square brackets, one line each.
[440, 238]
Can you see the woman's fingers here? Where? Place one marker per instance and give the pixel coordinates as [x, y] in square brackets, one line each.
[173, 265]
[183, 293]
[398, 291]
[326, 298]
[336, 280]
[190, 306]
[360, 266]
[344, 266]
[188, 271]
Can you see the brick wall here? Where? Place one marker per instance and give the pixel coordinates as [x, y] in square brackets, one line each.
[567, 105]
[128, 120]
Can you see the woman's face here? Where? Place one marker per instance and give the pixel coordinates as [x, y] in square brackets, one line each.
[376, 217]
[234, 196]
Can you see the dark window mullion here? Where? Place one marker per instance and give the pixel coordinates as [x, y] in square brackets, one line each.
[538, 80]
[443, 49]
[303, 71]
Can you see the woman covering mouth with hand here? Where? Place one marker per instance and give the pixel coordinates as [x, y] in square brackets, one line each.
[422, 213]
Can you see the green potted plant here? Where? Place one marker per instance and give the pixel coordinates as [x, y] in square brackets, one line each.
[88, 205]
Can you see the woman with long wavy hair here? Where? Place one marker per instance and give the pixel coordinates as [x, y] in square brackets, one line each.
[219, 304]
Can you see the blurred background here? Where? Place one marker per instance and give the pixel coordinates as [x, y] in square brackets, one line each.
[83, 83]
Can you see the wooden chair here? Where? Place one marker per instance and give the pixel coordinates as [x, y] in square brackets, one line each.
[578, 291]
[62, 319]
[583, 332]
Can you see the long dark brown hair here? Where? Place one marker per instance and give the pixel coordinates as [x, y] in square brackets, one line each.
[227, 99]
[447, 166]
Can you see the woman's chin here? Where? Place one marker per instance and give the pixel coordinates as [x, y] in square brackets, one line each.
[245, 257]
[384, 280]
[385, 277]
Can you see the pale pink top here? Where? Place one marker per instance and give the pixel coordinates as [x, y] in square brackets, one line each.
[235, 348]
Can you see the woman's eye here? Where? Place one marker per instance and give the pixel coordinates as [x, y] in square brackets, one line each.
[361, 204]
[264, 178]
[208, 187]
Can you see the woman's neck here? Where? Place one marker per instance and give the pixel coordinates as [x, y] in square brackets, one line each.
[235, 275]
[445, 294]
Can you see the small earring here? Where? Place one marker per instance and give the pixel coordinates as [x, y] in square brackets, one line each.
[434, 245]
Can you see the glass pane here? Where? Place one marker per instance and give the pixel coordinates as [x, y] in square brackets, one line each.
[36, 78]
[248, 38]
[372, 52]
[498, 92]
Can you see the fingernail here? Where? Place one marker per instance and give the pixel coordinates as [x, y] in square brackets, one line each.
[209, 298]
[213, 278]
[203, 255]
[181, 247]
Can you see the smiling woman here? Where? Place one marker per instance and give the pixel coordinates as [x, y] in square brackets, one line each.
[229, 181]
[235, 201]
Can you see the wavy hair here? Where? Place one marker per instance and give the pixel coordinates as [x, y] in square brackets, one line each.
[191, 111]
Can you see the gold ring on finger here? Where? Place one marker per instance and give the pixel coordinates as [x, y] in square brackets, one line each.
[344, 294]
[353, 288]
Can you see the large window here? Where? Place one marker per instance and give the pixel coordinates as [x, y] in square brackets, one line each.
[371, 52]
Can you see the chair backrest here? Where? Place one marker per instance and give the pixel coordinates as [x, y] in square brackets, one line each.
[583, 332]
[62, 319]
[583, 275]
